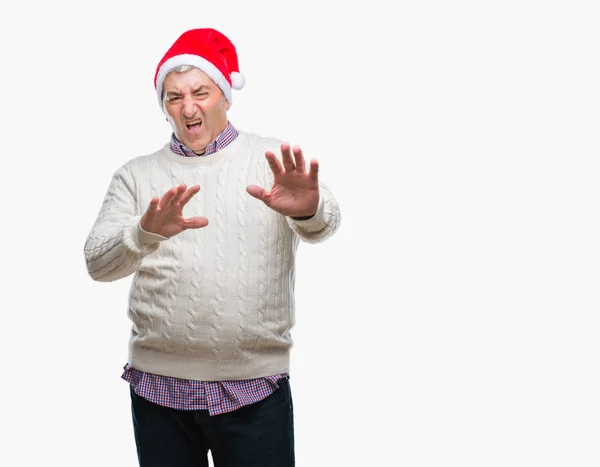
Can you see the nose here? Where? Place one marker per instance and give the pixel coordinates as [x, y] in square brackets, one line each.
[189, 107]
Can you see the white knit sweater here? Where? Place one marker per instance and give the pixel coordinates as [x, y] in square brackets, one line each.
[215, 303]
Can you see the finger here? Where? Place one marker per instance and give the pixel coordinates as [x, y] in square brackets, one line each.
[167, 197]
[286, 157]
[180, 190]
[257, 192]
[274, 163]
[299, 158]
[195, 223]
[153, 205]
[189, 194]
[314, 169]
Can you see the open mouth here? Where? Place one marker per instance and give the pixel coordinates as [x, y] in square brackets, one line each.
[193, 126]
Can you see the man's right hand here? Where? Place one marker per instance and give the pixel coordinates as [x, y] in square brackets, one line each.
[164, 216]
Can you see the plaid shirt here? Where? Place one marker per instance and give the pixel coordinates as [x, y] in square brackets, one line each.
[215, 396]
[228, 135]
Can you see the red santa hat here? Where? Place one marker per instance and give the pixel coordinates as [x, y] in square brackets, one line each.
[206, 49]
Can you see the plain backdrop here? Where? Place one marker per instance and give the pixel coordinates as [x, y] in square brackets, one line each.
[453, 320]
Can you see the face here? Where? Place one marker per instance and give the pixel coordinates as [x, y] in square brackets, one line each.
[196, 108]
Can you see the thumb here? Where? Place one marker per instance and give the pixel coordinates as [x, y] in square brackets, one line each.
[257, 192]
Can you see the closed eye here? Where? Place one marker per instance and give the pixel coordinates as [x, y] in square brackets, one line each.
[174, 98]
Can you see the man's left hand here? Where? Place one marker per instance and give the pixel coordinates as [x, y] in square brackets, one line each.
[295, 190]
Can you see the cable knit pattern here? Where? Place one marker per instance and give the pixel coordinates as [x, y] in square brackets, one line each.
[197, 246]
[263, 253]
[243, 268]
[210, 304]
[219, 291]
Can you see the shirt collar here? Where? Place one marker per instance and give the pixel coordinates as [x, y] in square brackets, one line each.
[227, 136]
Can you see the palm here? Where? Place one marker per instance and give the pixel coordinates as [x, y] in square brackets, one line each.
[164, 216]
[295, 190]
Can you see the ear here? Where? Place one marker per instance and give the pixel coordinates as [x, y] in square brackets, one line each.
[227, 104]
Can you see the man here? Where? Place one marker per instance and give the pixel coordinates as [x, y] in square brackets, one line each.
[209, 226]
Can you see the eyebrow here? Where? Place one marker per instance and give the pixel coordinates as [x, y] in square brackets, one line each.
[198, 89]
[201, 88]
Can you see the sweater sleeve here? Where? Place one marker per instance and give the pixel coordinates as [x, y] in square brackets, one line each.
[324, 223]
[117, 244]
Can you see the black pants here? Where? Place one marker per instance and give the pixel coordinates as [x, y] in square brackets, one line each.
[256, 435]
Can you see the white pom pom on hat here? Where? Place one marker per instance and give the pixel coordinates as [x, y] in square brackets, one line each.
[210, 51]
[237, 80]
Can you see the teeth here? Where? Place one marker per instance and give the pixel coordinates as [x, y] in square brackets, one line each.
[193, 123]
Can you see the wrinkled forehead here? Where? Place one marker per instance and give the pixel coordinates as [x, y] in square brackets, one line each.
[186, 78]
